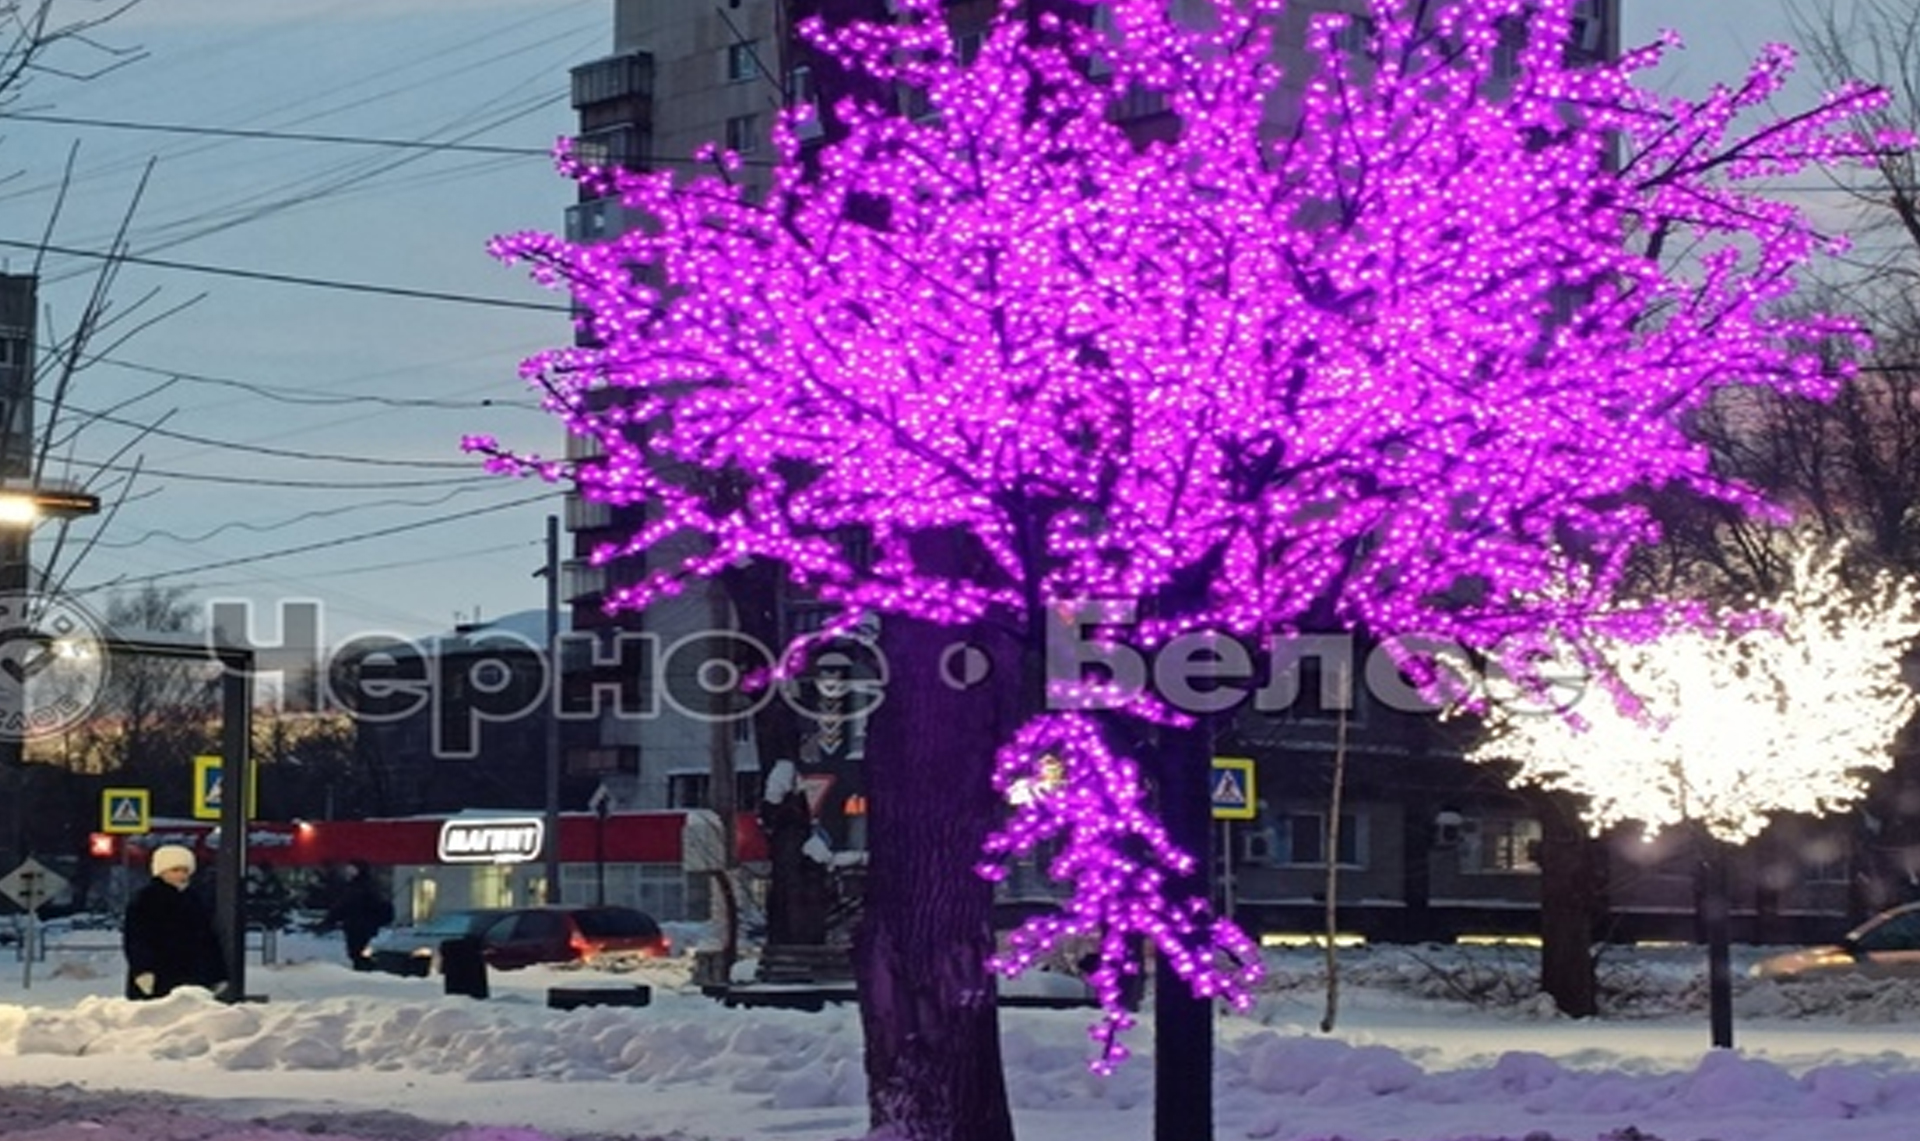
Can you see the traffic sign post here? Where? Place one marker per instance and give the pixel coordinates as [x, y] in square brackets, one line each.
[30, 885]
[1233, 799]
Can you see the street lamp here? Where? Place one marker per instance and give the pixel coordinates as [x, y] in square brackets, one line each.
[22, 505]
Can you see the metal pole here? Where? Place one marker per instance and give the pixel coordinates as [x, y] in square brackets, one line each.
[600, 853]
[1715, 919]
[15, 580]
[236, 730]
[553, 672]
[1226, 868]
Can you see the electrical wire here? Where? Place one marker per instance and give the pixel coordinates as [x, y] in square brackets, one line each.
[291, 484]
[279, 136]
[254, 449]
[264, 135]
[289, 279]
[289, 395]
[304, 548]
[282, 524]
[397, 564]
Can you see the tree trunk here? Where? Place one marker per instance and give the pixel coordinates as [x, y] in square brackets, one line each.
[1569, 897]
[927, 1002]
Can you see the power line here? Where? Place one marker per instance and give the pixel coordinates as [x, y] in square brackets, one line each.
[280, 524]
[280, 136]
[306, 548]
[290, 279]
[260, 134]
[286, 395]
[397, 564]
[297, 484]
[254, 449]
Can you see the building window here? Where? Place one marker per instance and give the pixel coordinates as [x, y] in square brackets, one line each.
[1589, 26]
[1500, 846]
[800, 86]
[742, 64]
[1505, 65]
[966, 47]
[613, 146]
[662, 893]
[1355, 37]
[1299, 839]
[1506, 61]
[1826, 860]
[743, 134]
[687, 790]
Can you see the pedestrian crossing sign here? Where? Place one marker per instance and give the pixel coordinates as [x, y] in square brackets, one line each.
[1233, 796]
[124, 810]
[207, 786]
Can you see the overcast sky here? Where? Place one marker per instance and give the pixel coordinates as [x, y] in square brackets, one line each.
[363, 395]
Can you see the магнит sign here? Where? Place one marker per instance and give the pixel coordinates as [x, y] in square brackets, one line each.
[498, 841]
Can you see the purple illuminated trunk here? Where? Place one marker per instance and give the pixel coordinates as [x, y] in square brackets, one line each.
[927, 1001]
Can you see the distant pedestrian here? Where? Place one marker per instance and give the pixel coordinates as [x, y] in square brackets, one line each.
[168, 936]
[361, 910]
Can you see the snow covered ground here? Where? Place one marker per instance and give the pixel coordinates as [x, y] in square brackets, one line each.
[1433, 1044]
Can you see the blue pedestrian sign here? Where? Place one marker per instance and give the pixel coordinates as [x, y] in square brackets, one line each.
[1233, 795]
[208, 786]
[124, 810]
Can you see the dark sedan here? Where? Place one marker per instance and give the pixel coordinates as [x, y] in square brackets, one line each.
[520, 937]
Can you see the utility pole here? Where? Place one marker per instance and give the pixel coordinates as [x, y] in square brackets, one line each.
[19, 300]
[555, 675]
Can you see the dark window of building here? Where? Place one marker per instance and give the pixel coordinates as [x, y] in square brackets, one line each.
[742, 64]
[967, 45]
[1356, 36]
[687, 790]
[743, 134]
[1497, 845]
[1300, 839]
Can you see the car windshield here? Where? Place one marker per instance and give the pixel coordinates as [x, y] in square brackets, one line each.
[616, 923]
[1892, 931]
[457, 923]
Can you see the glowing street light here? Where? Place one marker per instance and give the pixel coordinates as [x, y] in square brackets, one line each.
[25, 506]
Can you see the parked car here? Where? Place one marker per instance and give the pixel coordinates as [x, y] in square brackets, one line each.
[1886, 946]
[520, 937]
[415, 950]
[573, 934]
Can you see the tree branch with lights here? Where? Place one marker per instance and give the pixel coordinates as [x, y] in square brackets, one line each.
[1401, 367]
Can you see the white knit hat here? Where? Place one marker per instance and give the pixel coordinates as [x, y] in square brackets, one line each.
[172, 856]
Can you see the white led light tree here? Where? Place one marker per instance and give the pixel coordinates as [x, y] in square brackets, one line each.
[1781, 706]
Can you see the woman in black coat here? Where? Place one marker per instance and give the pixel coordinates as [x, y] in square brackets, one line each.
[167, 936]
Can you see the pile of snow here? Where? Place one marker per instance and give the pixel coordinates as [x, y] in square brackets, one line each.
[1410, 1059]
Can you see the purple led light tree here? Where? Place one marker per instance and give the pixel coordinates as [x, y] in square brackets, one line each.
[1401, 356]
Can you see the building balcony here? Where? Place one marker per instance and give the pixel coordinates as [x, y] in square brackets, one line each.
[620, 77]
